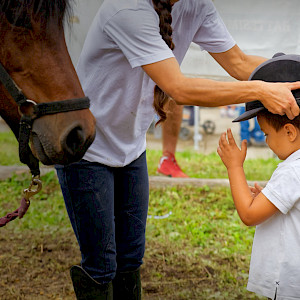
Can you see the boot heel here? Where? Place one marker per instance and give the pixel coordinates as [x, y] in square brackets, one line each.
[127, 285]
[86, 288]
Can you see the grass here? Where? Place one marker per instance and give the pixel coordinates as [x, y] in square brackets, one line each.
[203, 232]
[8, 149]
[47, 210]
[198, 165]
[195, 164]
[197, 247]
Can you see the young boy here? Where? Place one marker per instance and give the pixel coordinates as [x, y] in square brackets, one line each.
[275, 209]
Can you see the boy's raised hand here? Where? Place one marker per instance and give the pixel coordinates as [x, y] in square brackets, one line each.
[231, 155]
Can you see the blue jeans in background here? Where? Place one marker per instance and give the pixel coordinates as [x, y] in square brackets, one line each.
[108, 210]
[245, 134]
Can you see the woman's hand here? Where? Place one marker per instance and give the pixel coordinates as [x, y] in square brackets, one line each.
[231, 155]
[278, 99]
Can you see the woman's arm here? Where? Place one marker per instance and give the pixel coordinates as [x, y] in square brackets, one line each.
[236, 63]
[277, 97]
[252, 209]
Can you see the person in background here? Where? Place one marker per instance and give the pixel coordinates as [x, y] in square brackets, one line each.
[275, 209]
[127, 61]
[168, 165]
[253, 135]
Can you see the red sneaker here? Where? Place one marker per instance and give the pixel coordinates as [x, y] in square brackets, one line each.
[168, 166]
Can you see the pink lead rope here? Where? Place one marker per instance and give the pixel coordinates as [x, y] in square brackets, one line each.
[20, 212]
[24, 205]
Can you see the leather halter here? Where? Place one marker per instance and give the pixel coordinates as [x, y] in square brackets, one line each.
[37, 111]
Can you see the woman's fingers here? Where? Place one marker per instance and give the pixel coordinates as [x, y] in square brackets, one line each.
[280, 100]
[294, 111]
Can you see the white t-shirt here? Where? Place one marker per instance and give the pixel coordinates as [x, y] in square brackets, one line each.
[123, 37]
[275, 259]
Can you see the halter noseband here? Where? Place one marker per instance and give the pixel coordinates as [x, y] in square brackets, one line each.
[36, 111]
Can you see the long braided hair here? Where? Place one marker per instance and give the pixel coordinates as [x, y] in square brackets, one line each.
[163, 8]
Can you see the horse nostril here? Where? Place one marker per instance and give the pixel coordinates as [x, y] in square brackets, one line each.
[74, 142]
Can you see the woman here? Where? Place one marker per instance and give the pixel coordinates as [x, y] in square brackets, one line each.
[128, 45]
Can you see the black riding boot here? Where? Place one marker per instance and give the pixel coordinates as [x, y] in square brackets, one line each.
[86, 288]
[127, 285]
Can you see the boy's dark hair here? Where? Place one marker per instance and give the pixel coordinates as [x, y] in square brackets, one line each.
[278, 121]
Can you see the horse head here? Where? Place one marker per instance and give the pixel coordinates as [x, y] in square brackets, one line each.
[33, 52]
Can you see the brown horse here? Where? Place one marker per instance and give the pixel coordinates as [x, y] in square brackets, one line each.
[34, 53]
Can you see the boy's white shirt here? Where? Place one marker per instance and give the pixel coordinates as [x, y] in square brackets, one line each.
[123, 37]
[275, 258]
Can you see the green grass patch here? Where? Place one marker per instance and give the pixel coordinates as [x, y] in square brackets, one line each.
[195, 164]
[8, 149]
[47, 210]
[199, 165]
[204, 230]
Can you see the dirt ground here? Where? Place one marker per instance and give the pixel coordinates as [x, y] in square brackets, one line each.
[36, 266]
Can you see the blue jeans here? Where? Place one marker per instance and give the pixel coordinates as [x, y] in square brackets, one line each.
[108, 210]
[255, 133]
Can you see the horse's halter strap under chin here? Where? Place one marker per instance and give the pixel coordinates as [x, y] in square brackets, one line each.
[36, 111]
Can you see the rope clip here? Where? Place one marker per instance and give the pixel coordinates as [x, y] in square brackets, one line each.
[34, 187]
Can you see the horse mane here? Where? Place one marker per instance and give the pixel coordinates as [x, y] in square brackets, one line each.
[21, 12]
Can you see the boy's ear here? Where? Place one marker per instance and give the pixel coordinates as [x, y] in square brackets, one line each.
[291, 131]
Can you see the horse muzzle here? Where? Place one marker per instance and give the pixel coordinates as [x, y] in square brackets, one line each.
[64, 144]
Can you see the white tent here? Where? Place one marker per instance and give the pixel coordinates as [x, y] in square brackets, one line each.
[83, 12]
[259, 27]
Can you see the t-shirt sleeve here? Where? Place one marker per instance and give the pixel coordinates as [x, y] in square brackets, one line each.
[213, 35]
[283, 189]
[136, 33]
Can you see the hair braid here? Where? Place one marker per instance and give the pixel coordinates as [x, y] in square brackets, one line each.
[163, 8]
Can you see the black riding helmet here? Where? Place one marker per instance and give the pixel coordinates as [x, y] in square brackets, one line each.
[280, 68]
